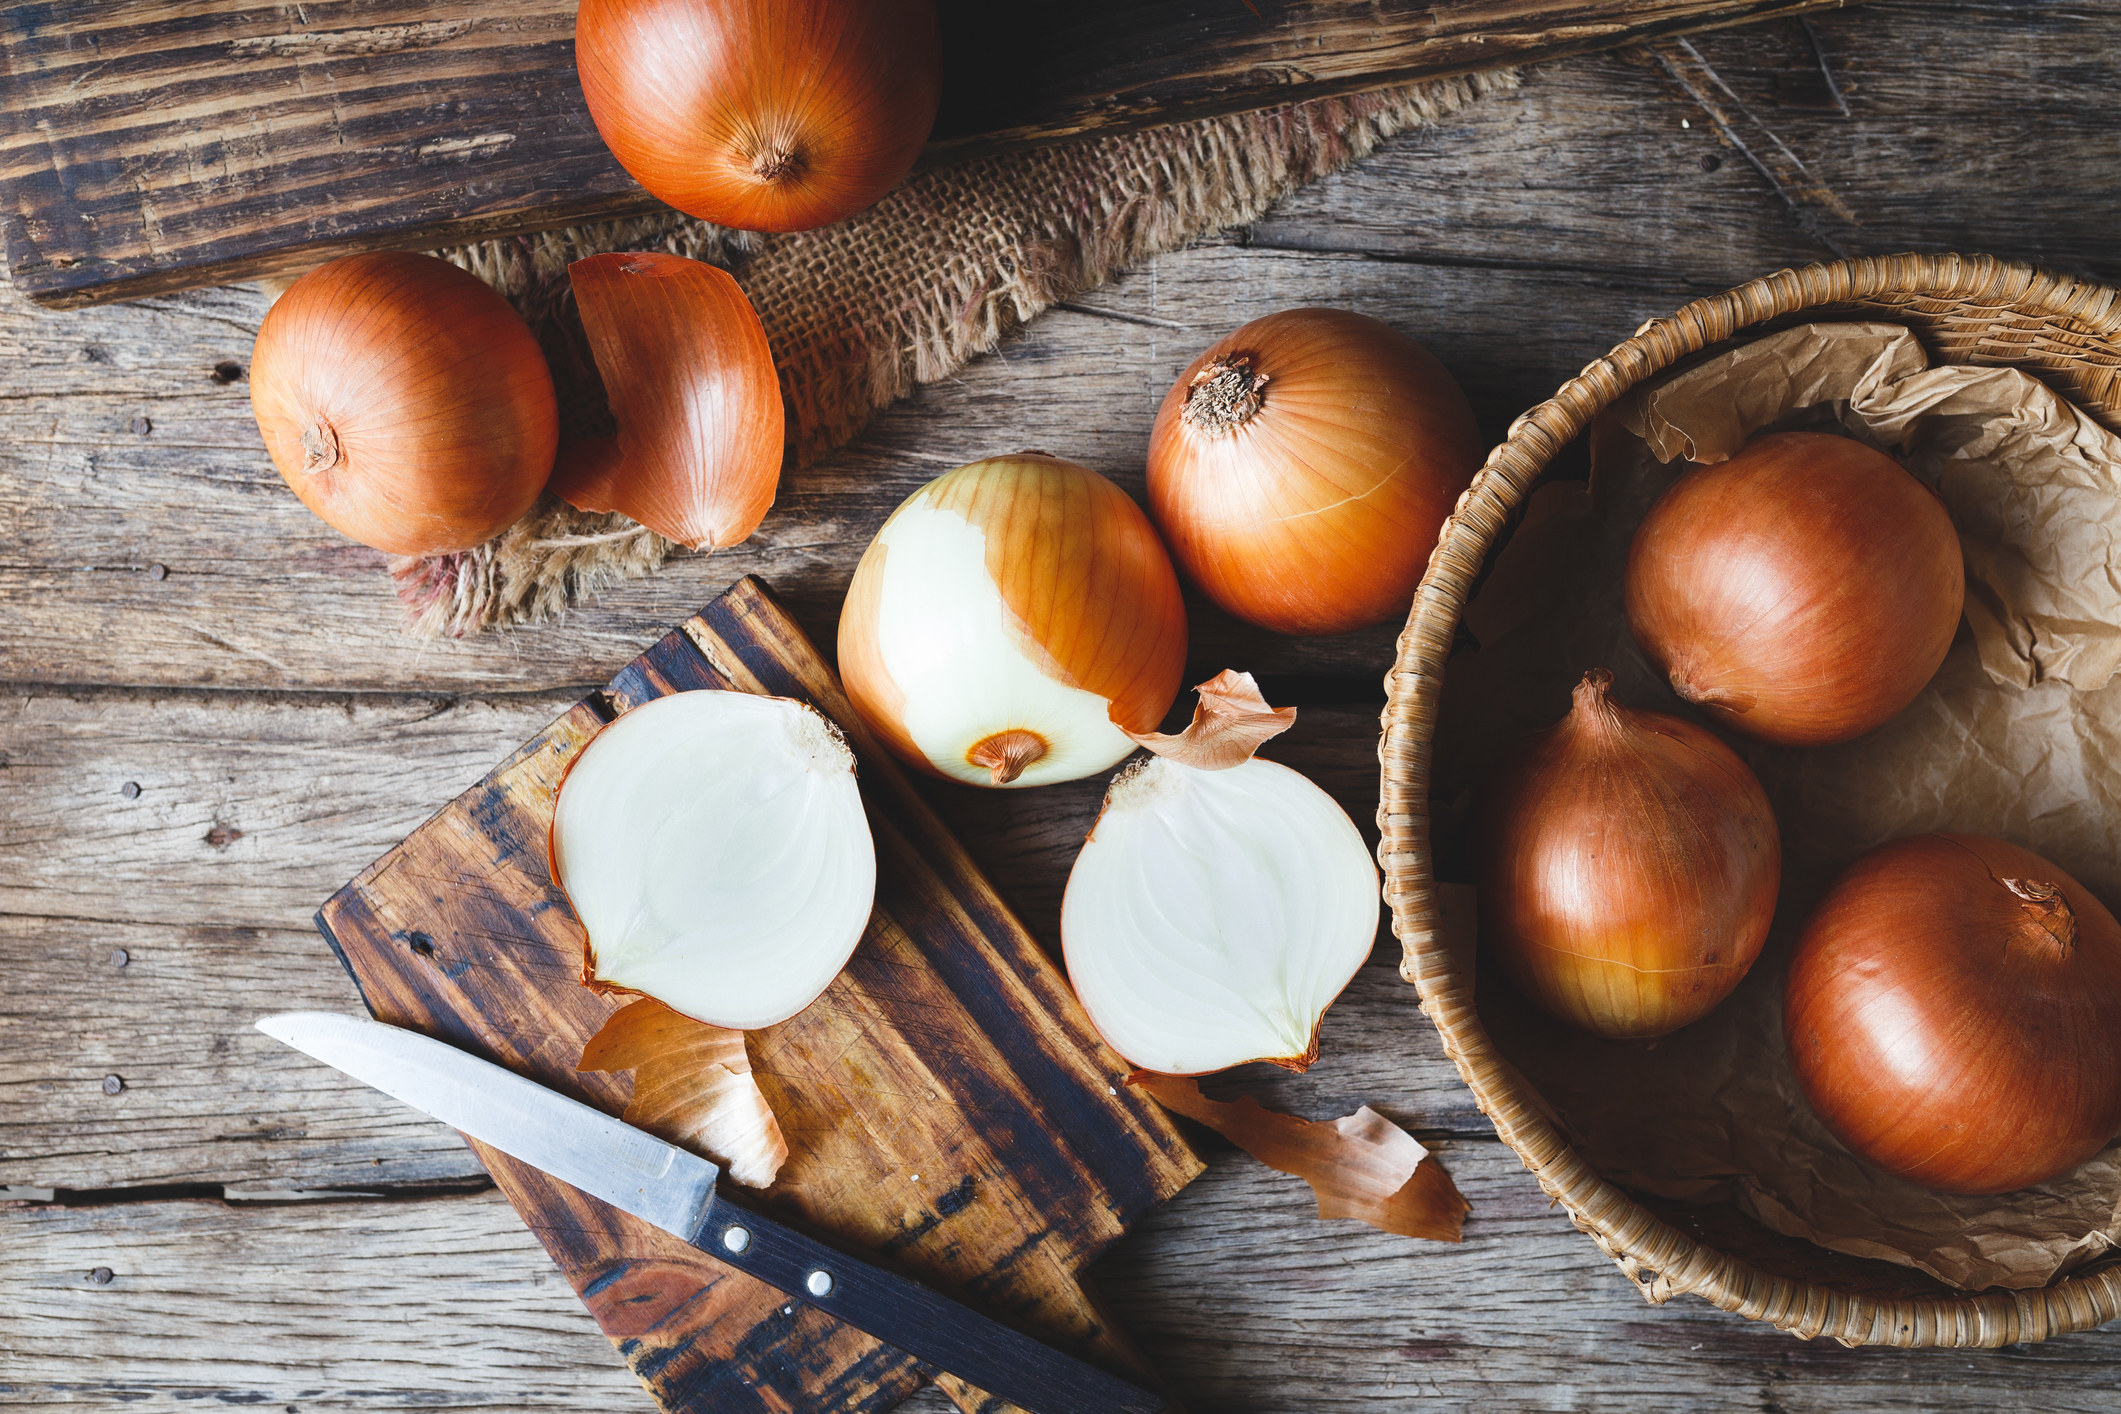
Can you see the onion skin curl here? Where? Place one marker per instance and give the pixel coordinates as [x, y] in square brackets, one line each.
[405, 402]
[764, 115]
[1954, 1014]
[1802, 592]
[1628, 863]
[1302, 467]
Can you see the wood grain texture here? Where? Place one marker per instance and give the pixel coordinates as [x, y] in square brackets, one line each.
[1525, 237]
[146, 149]
[945, 1101]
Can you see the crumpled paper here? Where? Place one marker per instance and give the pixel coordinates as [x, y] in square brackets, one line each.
[2019, 736]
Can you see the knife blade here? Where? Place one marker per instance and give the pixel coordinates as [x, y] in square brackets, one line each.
[674, 1189]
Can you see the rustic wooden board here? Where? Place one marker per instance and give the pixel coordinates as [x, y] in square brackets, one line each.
[146, 148]
[945, 1101]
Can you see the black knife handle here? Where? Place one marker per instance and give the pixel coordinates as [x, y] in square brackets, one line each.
[918, 1319]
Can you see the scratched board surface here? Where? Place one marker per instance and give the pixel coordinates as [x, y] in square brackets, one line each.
[945, 1101]
[146, 146]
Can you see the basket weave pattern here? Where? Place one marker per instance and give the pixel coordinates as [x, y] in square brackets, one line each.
[1966, 309]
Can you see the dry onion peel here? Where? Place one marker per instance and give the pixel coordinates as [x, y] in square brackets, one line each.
[715, 848]
[1012, 622]
[1360, 1165]
[691, 382]
[1215, 913]
[693, 1086]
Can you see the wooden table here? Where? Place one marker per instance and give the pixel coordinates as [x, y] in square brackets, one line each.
[212, 721]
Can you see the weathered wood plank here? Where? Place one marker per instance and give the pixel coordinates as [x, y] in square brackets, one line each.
[1239, 1291]
[153, 149]
[1968, 128]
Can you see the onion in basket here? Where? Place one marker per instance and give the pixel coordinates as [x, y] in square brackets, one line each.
[715, 848]
[1628, 863]
[1954, 1014]
[1802, 592]
[1221, 902]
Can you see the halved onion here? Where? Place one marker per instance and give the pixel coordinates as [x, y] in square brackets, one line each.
[1216, 912]
[715, 848]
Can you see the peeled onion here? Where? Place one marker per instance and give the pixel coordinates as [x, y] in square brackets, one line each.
[1012, 622]
[714, 847]
[1628, 863]
[692, 385]
[1215, 912]
[405, 402]
[1954, 1014]
[765, 115]
[1302, 467]
[1802, 592]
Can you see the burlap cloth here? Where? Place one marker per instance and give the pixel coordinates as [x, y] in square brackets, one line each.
[859, 312]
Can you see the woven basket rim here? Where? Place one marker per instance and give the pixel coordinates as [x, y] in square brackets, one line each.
[1661, 1260]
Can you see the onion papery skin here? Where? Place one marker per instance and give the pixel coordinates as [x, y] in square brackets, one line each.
[715, 849]
[691, 382]
[1213, 916]
[764, 115]
[405, 402]
[1802, 592]
[1628, 863]
[1943, 1030]
[1018, 602]
[1309, 502]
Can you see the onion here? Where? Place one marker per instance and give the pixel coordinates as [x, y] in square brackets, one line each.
[1012, 622]
[765, 115]
[1302, 468]
[1628, 863]
[1218, 907]
[405, 402]
[692, 385]
[714, 846]
[1954, 1014]
[1802, 592]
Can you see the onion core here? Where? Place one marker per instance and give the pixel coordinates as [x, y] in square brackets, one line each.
[715, 848]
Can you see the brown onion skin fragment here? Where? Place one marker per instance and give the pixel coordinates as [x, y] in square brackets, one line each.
[1802, 592]
[1942, 1031]
[1628, 864]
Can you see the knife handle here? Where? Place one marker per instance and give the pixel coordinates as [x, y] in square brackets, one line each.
[917, 1319]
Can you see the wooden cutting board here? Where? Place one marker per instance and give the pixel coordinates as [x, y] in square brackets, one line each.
[147, 147]
[945, 1101]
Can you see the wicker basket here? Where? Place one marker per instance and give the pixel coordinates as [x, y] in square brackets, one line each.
[1965, 309]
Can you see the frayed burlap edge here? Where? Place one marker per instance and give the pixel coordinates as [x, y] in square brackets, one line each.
[860, 312]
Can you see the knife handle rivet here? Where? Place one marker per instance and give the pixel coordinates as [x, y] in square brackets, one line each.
[735, 1239]
[819, 1282]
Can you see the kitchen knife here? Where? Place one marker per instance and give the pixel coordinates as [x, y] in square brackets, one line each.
[673, 1188]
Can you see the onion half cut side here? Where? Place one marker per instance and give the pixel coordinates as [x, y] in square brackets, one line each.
[715, 848]
[1214, 914]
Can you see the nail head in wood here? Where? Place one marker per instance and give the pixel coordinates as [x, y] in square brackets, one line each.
[142, 426]
[130, 790]
[102, 1276]
[819, 1282]
[119, 957]
[158, 572]
[735, 1239]
[112, 1084]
